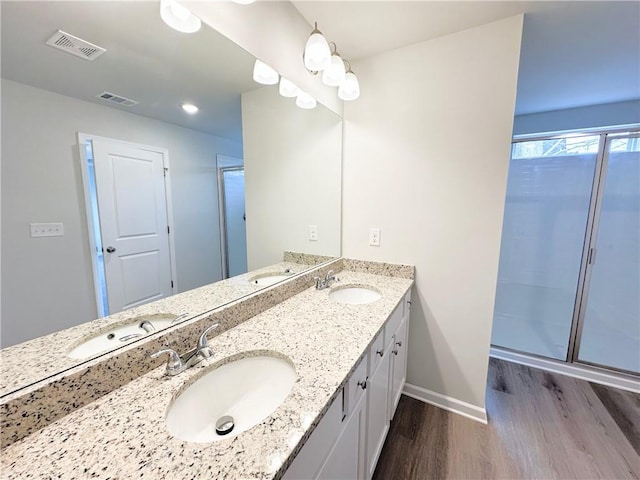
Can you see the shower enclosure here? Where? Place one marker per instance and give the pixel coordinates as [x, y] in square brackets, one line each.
[569, 275]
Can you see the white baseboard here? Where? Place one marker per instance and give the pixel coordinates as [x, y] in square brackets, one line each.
[447, 403]
[624, 382]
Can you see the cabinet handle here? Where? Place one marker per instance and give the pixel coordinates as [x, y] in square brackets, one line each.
[395, 352]
[363, 384]
[399, 344]
[380, 352]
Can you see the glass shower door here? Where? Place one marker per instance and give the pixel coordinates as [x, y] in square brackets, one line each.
[549, 191]
[610, 326]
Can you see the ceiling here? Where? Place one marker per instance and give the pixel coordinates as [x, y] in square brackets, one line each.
[574, 53]
[146, 61]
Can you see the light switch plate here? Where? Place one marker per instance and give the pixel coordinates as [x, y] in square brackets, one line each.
[374, 237]
[46, 229]
[313, 233]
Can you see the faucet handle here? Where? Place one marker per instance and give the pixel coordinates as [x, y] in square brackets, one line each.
[203, 344]
[174, 362]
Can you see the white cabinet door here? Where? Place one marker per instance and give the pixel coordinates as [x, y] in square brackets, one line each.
[346, 461]
[377, 414]
[399, 365]
[311, 457]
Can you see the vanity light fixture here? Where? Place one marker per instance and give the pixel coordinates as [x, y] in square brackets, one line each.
[317, 54]
[349, 89]
[243, 2]
[334, 75]
[264, 74]
[320, 56]
[306, 101]
[190, 108]
[179, 17]
[288, 88]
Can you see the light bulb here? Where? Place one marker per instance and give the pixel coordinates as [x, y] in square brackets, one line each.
[350, 88]
[306, 101]
[288, 88]
[190, 108]
[264, 74]
[180, 12]
[179, 17]
[243, 2]
[335, 74]
[317, 54]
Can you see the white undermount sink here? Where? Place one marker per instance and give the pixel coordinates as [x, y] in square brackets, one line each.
[123, 333]
[266, 279]
[355, 295]
[247, 391]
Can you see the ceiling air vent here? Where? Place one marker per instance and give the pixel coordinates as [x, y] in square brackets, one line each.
[120, 100]
[75, 46]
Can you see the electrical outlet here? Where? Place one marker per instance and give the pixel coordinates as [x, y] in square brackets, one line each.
[374, 237]
[46, 229]
[313, 233]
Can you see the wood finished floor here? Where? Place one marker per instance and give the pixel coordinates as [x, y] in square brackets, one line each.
[541, 426]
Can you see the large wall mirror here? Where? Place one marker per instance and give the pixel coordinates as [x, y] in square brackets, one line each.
[248, 177]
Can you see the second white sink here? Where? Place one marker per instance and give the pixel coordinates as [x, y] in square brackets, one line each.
[355, 295]
[247, 390]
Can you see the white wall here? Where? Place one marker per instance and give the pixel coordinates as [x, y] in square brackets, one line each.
[425, 159]
[293, 162]
[47, 282]
[594, 116]
[274, 32]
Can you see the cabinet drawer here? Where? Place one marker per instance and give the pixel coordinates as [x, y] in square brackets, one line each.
[393, 323]
[374, 357]
[356, 391]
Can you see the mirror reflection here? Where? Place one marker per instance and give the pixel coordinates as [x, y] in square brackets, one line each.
[115, 194]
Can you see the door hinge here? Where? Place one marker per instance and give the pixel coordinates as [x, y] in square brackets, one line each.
[168, 230]
[165, 171]
[171, 283]
[592, 256]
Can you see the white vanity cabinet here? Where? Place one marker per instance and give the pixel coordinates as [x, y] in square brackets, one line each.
[399, 359]
[377, 401]
[347, 442]
[336, 448]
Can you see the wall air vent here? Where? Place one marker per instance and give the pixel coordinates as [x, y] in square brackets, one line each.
[120, 100]
[75, 46]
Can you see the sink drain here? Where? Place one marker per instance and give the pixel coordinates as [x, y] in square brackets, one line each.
[225, 425]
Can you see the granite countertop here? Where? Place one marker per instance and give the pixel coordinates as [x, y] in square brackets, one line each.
[123, 435]
[29, 362]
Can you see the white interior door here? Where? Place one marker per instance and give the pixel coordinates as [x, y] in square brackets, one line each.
[234, 220]
[132, 206]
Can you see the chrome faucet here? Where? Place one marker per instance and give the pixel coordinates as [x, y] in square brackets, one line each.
[321, 284]
[147, 326]
[179, 363]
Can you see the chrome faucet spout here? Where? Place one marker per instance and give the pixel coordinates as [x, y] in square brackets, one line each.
[147, 326]
[179, 363]
[321, 284]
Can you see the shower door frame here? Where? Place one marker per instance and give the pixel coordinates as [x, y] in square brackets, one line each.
[589, 252]
[589, 248]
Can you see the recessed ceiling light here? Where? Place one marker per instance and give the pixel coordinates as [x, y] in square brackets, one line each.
[190, 108]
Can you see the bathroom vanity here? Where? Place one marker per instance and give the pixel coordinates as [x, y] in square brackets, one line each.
[349, 362]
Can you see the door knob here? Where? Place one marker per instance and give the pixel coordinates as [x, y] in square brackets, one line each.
[111, 249]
